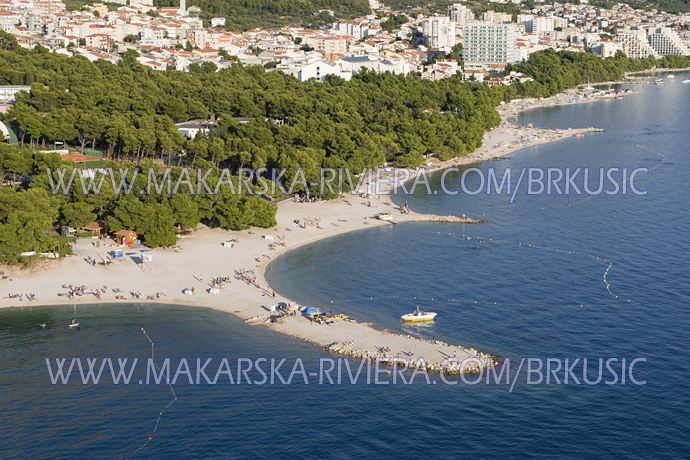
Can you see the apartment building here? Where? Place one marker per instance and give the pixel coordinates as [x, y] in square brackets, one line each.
[666, 42]
[439, 32]
[488, 43]
[635, 45]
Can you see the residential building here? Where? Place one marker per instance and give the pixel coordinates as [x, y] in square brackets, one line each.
[460, 14]
[438, 32]
[356, 28]
[635, 45]
[498, 18]
[8, 93]
[607, 49]
[191, 129]
[666, 42]
[311, 69]
[488, 43]
[354, 64]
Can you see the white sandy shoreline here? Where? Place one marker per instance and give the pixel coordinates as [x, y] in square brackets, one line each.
[202, 257]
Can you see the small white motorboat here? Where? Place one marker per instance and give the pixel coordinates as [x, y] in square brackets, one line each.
[686, 81]
[419, 316]
[386, 216]
[73, 325]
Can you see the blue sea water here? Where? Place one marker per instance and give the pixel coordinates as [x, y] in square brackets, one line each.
[513, 289]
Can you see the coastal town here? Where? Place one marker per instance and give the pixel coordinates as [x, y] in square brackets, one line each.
[145, 255]
[477, 45]
[438, 195]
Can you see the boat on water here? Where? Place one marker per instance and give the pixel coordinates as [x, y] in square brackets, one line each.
[419, 316]
[73, 324]
[686, 81]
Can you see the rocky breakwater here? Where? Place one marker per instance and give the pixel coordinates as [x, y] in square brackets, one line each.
[454, 219]
[466, 361]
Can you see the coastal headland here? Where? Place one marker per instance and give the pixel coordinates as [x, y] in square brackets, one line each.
[226, 270]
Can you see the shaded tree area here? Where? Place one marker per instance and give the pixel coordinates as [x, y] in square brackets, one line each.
[29, 211]
[249, 14]
[244, 14]
[130, 112]
[555, 72]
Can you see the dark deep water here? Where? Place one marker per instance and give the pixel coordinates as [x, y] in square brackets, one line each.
[511, 289]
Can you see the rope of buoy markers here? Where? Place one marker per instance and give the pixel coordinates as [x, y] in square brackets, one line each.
[162, 412]
[622, 302]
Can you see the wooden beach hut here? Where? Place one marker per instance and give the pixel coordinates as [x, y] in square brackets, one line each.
[94, 228]
[126, 237]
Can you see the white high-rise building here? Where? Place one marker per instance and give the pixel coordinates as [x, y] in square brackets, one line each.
[497, 17]
[541, 25]
[634, 44]
[607, 49]
[460, 14]
[536, 24]
[358, 29]
[183, 8]
[488, 43]
[667, 42]
[439, 32]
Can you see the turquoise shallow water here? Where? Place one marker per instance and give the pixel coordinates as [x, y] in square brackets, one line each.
[495, 294]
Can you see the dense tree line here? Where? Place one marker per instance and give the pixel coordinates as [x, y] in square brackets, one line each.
[555, 72]
[414, 7]
[670, 6]
[249, 14]
[29, 210]
[130, 112]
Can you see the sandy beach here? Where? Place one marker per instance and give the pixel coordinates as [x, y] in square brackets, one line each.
[239, 261]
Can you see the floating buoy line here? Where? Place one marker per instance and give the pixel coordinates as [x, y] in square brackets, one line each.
[662, 157]
[162, 412]
[621, 302]
[662, 160]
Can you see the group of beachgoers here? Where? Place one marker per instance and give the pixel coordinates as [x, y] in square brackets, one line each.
[284, 309]
[246, 275]
[249, 277]
[29, 296]
[73, 292]
[229, 243]
[304, 198]
[137, 295]
[220, 281]
[386, 352]
[93, 262]
[307, 221]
